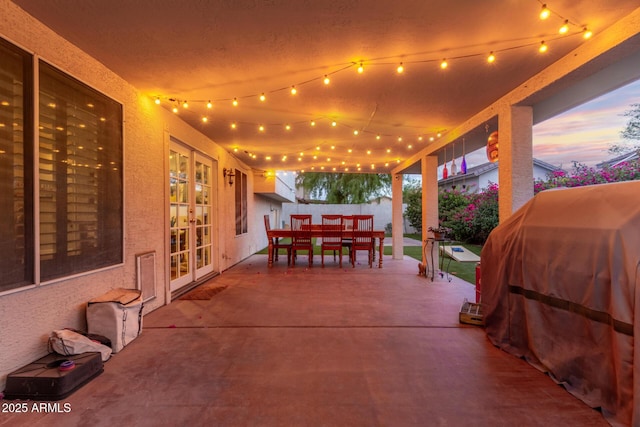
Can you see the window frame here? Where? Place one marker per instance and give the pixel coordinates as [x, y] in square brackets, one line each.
[241, 203]
[113, 234]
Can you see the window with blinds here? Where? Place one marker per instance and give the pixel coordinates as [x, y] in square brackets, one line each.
[80, 176]
[16, 167]
[241, 203]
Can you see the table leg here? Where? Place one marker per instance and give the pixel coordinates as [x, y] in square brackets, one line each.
[270, 262]
[380, 249]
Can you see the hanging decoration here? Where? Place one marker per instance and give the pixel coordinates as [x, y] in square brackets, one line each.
[445, 172]
[454, 167]
[463, 165]
[492, 147]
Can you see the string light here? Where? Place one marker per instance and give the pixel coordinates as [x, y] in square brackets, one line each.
[543, 47]
[565, 27]
[490, 58]
[545, 12]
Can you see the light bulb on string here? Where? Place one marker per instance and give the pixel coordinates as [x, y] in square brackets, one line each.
[360, 68]
[205, 119]
[234, 125]
[293, 90]
[400, 68]
[175, 110]
[543, 47]
[263, 97]
[157, 101]
[235, 102]
[313, 123]
[491, 58]
[565, 27]
[326, 80]
[586, 33]
[444, 64]
[209, 105]
[545, 12]
[185, 104]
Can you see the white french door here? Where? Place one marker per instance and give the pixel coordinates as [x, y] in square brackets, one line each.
[191, 195]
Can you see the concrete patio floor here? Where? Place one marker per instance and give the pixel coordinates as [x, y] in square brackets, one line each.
[317, 347]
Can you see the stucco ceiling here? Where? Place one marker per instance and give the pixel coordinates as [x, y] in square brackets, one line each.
[199, 51]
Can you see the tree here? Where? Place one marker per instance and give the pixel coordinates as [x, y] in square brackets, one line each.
[344, 188]
[413, 212]
[631, 132]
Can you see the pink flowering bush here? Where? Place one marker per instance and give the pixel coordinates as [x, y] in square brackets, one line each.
[474, 221]
[472, 216]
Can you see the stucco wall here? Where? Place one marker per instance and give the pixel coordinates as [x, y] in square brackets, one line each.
[30, 314]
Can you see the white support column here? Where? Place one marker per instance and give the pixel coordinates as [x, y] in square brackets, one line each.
[397, 222]
[515, 153]
[429, 198]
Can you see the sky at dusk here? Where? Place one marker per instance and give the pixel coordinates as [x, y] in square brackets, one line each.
[582, 134]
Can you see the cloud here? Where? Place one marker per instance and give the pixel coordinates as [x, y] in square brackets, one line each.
[585, 133]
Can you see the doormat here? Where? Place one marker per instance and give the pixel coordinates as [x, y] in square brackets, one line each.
[203, 293]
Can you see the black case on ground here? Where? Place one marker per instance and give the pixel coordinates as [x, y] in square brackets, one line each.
[44, 380]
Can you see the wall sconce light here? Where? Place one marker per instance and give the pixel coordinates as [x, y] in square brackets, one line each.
[228, 173]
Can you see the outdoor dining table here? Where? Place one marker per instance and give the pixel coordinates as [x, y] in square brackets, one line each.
[316, 231]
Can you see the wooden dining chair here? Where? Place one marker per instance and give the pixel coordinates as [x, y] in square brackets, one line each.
[301, 237]
[347, 224]
[331, 236]
[276, 244]
[362, 237]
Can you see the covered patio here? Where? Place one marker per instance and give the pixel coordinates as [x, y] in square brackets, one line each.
[282, 346]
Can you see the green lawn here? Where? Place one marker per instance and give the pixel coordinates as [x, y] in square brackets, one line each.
[464, 270]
